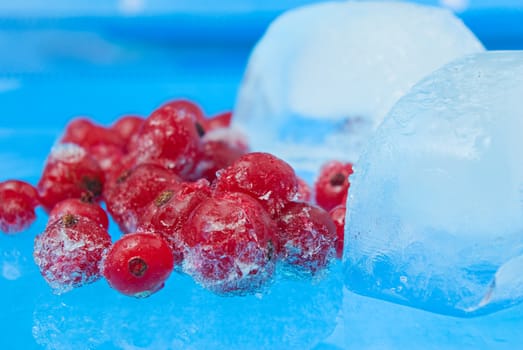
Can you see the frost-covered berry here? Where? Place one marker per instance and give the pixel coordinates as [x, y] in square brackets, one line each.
[69, 251]
[307, 238]
[138, 264]
[80, 207]
[70, 172]
[263, 176]
[170, 210]
[332, 185]
[337, 215]
[214, 156]
[169, 137]
[304, 193]
[16, 212]
[222, 120]
[230, 250]
[23, 188]
[130, 194]
[128, 127]
[85, 133]
[18, 200]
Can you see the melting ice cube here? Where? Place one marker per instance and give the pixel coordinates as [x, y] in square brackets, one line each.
[435, 216]
[323, 76]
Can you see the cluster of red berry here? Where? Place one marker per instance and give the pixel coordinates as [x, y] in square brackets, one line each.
[187, 195]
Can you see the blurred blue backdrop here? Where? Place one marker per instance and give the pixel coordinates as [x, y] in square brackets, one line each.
[104, 58]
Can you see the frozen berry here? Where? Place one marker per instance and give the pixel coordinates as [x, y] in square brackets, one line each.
[304, 191]
[332, 184]
[85, 133]
[130, 194]
[16, 211]
[337, 215]
[69, 252]
[215, 155]
[127, 128]
[229, 244]
[232, 137]
[263, 176]
[81, 207]
[170, 211]
[138, 264]
[169, 137]
[23, 188]
[108, 157]
[307, 238]
[70, 172]
[222, 120]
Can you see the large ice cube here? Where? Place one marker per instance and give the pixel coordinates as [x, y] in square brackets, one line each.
[323, 76]
[435, 215]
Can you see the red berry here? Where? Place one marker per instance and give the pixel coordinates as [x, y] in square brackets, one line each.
[170, 211]
[108, 157]
[186, 107]
[307, 238]
[16, 211]
[222, 120]
[229, 244]
[129, 195]
[304, 191]
[85, 133]
[337, 215]
[23, 188]
[263, 176]
[70, 172]
[69, 252]
[82, 208]
[332, 184]
[215, 155]
[127, 128]
[169, 137]
[232, 137]
[138, 264]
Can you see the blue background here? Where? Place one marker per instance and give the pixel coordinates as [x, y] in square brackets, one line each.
[60, 59]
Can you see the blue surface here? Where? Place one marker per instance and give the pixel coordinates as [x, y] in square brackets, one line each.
[90, 62]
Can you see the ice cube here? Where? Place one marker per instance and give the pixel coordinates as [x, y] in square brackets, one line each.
[323, 76]
[435, 215]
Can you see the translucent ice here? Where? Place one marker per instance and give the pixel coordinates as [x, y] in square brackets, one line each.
[323, 76]
[435, 216]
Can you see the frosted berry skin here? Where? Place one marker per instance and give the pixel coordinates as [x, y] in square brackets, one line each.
[337, 215]
[138, 264]
[70, 172]
[170, 210]
[332, 185]
[108, 157]
[18, 201]
[222, 120]
[214, 156]
[23, 188]
[307, 238]
[263, 176]
[128, 127]
[130, 194]
[69, 251]
[80, 207]
[230, 250]
[304, 193]
[85, 133]
[170, 138]
[17, 211]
